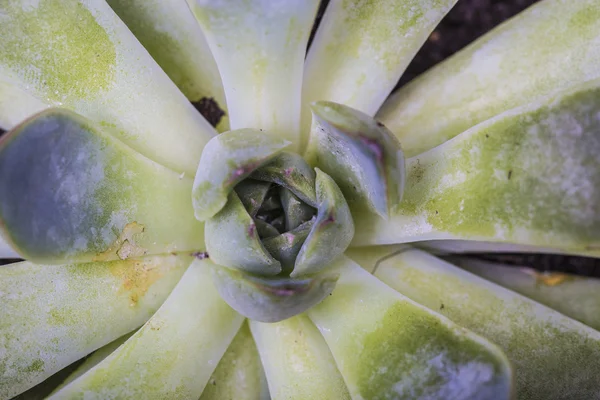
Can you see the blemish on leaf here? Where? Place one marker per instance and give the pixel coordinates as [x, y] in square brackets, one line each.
[125, 245]
[137, 276]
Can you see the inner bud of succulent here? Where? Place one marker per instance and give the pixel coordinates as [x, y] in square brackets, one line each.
[275, 224]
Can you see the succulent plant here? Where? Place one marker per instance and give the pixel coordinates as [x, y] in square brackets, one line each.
[290, 252]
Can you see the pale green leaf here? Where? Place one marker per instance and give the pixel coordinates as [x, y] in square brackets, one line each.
[174, 354]
[6, 251]
[297, 361]
[172, 36]
[259, 46]
[80, 55]
[575, 296]
[91, 198]
[53, 315]
[16, 105]
[387, 346]
[239, 374]
[554, 357]
[362, 47]
[530, 176]
[552, 46]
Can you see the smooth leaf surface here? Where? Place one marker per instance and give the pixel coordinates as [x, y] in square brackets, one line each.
[259, 46]
[91, 198]
[172, 36]
[362, 47]
[360, 154]
[16, 105]
[553, 356]
[297, 361]
[552, 46]
[239, 374]
[6, 251]
[575, 296]
[331, 232]
[80, 55]
[174, 354]
[530, 176]
[232, 241]
[53, 315]
[387, 346]
[227, 160]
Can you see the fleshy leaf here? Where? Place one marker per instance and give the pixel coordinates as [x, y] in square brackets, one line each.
[297, 361]
[387, 346]
[272, 299]
[530, 176]
[331, 232]
[94, 359]
[295, 211]
[226, 160]
[362, 47]
[239, 374]
[170, 33]
[553, 45]
[232, 240]
[174, 354]
[360, 154]
[252, 194]
[292, 172]
[91, 198]
[259, 46]
[574, 296]
[53, 315]
[81, 56]
[286, 246]
[553, 356]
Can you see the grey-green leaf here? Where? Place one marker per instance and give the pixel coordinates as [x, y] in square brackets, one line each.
[272, 299]
[332, 231]
[360, 154]
[226, 160]
[232, 240]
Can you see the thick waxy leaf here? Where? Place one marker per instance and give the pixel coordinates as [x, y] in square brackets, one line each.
[296, 211]
[91, 198]
[259, 46]
[94, 359]
[292, 172]
[78, 54]
[530, 176]
[174, 354]
[239, 374]
[272, 299]
[252, 194]
[552, 46]
[441, 247]
[297, 361]
[285, 247]
[554, 357]
[170, 33]
[360, 154]
[362, 48]
[232, 240]
[53, 315]
[387, 346]
[227, 160]
[16, 105]
[575, 296]
[331, 232]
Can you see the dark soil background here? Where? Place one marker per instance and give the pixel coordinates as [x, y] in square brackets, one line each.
[468, 20]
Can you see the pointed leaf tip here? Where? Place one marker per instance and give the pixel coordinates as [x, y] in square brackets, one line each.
[360, 154]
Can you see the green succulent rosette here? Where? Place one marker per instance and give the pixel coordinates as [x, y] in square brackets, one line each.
[289, 253]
